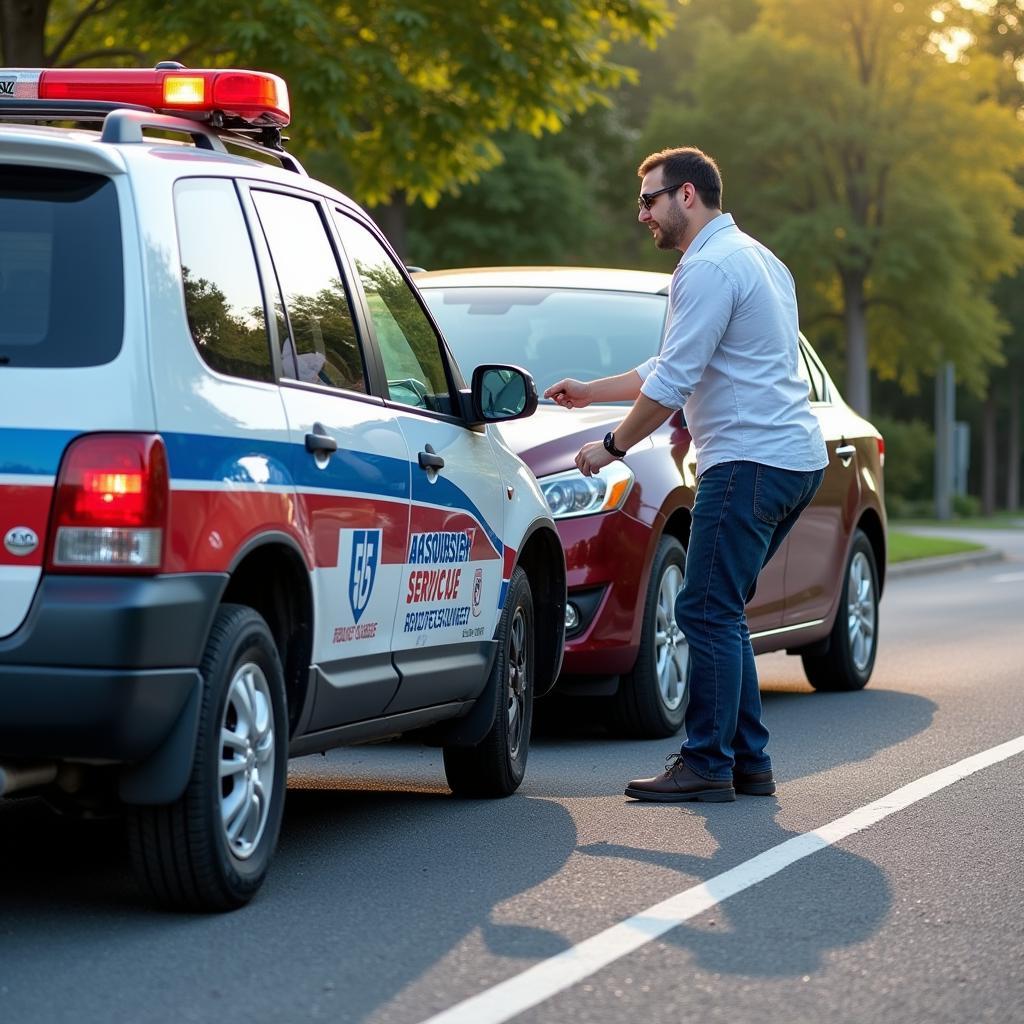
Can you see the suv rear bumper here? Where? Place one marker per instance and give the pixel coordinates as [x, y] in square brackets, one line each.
[103, 669]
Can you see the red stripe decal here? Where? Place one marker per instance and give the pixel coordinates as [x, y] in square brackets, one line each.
[25, 505]
[510, 563]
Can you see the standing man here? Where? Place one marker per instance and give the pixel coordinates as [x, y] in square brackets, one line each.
[729, 361]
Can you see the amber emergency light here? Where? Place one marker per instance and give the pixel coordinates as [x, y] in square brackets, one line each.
[255, 97]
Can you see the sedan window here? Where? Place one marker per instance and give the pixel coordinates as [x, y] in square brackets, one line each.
[552, 333]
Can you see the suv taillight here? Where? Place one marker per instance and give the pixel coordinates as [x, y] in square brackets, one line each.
[110, 509]
[881, 451]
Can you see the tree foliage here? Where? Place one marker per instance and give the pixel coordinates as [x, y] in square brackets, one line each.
[390, 96]
[850, 142]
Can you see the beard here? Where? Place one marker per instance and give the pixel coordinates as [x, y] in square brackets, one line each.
[672, 228]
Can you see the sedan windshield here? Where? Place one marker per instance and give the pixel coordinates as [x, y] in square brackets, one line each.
[553, 333]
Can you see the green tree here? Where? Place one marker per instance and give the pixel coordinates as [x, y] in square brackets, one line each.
[398, 100]
[849, 141]
[999, 31]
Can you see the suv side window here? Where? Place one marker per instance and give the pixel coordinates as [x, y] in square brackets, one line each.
[409, 345]
[223, 300]
[319, 320]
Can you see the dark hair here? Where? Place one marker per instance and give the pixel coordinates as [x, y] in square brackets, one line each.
[686, 164]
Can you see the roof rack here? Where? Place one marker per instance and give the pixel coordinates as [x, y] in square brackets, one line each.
[125, 123]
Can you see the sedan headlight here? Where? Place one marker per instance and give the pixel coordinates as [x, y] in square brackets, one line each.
[573, 494]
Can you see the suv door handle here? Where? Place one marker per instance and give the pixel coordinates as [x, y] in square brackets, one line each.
[320, 440]
[846, 452]
[429, 459]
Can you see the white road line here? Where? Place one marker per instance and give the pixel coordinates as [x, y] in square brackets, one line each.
[1008, 577]
[549, 977]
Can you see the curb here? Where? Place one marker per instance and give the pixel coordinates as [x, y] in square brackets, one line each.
[965, 560]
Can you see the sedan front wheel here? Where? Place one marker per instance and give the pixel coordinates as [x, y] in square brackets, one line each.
[651, 700]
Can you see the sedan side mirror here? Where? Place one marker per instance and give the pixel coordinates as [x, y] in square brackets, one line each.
[499, 393]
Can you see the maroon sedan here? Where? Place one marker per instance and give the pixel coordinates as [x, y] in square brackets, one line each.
[625, 531]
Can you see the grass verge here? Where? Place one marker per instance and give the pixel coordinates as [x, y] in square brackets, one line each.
[905, 546]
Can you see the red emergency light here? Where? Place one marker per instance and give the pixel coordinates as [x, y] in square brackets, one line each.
[254, 97]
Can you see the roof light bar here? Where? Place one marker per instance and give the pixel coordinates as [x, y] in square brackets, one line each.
[254, 97]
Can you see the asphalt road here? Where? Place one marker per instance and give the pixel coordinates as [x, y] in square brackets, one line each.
[390, 901]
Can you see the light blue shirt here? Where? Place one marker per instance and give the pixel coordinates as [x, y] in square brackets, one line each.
[730, 353]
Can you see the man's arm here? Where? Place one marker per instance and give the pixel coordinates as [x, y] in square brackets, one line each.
[643, 419]
[575, 394]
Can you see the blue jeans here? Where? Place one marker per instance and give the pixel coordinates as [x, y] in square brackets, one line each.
[741, 515]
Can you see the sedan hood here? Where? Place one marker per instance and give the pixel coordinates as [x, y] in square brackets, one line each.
[548, 440]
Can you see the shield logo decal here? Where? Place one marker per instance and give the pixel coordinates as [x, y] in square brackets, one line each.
[365, 556]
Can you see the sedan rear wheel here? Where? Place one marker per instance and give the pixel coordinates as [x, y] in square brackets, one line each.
[853, 643]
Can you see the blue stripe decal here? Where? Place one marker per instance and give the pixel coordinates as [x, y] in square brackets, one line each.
[502, 594]
[240, 460]
[225, 459]
[33, 452]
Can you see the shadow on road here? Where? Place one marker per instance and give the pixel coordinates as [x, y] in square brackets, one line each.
[368, 891]
[810, 733]
[774, 928]
[377, 883]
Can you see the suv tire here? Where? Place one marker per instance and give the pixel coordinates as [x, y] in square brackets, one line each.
[496, 765]
[210, 850]
[651, 700]
[853, 642]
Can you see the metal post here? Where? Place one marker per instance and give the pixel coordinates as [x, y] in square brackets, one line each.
[945, 411]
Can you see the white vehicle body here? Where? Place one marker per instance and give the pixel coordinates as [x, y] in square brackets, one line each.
[374, 524]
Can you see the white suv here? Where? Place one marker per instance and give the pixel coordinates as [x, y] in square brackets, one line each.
[249, 509]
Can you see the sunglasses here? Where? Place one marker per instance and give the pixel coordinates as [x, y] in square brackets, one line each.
[646, 199]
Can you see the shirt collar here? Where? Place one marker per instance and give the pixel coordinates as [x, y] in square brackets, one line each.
[723, 220]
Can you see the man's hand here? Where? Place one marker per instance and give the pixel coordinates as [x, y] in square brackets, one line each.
[591, 457]
[570, 394]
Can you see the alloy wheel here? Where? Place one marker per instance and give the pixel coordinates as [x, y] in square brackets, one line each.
[246, 760]
[518, 680]
[861, 611]
[672, 652]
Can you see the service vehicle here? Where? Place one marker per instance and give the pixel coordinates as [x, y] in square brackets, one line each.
[626, 530]
[249, 507]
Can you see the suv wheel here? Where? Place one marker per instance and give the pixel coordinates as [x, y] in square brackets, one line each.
[210, 850]
[651, 700]
[496, 765]
[853, 642]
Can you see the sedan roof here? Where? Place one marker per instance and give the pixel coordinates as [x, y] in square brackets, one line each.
[600, 278]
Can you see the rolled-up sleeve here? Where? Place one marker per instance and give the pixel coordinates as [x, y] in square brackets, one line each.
[702, 300]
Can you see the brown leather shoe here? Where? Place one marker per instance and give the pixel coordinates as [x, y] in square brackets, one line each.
[753, 783]
[678, 782]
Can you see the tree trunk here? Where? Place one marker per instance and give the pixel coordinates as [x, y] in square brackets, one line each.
[391, 218]
[1013, 446]
[988, 453]
[22, 32]
[858, 385]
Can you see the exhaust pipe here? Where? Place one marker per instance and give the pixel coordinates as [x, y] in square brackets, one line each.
[25, 776]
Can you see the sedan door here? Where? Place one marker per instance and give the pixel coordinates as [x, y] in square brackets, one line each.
[816, 547]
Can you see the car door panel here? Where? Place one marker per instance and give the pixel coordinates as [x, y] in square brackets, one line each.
[816, 547]
[451, 585]
[350, 463]
[452, 579]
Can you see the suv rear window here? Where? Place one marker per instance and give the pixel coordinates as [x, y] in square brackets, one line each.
[61, 274]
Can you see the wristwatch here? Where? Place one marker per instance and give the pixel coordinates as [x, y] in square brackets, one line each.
[609, 446]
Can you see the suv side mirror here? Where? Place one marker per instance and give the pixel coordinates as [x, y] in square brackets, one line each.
[499, 393]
